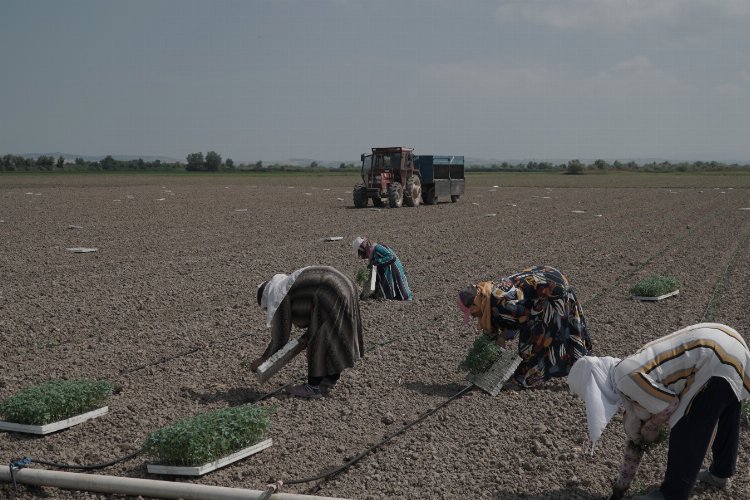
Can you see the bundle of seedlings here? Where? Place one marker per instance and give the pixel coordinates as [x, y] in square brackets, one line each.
[54, 401]
[363, 275]
[646, 447]
[208, 436]
[655, 286]
[481, 356]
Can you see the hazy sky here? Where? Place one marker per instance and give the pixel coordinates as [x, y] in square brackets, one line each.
[328, 79]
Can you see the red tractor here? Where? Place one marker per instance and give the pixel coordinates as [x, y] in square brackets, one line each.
[389, 174]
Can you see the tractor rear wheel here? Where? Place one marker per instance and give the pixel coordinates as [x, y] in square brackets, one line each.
[454, 198]
[360, 196]
[395, 195]
[428, 195]
[413, 192]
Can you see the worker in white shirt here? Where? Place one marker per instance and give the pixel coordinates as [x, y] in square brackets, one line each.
[692, 381]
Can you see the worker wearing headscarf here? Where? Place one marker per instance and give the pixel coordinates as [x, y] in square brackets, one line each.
[539, 306]
[692, 381]
[391, 282]
[323, 301]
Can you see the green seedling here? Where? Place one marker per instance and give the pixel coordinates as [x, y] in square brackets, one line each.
[363, 275]
[644, 447]
[745, 411]
[55, 401]
[208, 436]
[481, 356]
[655, 286]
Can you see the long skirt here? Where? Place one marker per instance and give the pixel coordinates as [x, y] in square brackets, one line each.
[326, 303]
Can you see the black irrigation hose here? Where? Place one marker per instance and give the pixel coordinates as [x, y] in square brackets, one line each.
[713, 303]
[166, 359]
[388, 437]
[101, 465]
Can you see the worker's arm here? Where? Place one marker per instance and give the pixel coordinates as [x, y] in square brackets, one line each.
[630, 461]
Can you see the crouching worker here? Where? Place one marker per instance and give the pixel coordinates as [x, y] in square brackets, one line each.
[391, 282]
[539, 306]
[323, 301]
[692, 381]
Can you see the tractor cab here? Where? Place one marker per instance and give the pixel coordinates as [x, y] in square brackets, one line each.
[388, 174]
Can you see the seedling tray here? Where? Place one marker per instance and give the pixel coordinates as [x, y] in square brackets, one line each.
[179, 470]
[277, 361]
[660, 297]
[54, 426]
[493, 379]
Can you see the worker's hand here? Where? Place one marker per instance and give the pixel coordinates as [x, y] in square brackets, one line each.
[500, 341]
[256, 363]
[632, 426]
[650, 433]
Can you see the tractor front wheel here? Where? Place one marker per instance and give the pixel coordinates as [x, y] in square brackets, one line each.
[395, 195]
[378, 201]
[360, 196]
[413, 192]
[454, 198]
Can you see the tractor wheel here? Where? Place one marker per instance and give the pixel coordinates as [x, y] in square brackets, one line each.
[360, 196]
[395, 195]
[454, 198]
[413, 192]
[428, 195]
[378, 201]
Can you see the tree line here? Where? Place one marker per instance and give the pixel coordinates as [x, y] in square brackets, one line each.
[213, 162]
[577, 167]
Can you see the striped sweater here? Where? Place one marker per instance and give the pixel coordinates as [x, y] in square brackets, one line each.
[679, 365]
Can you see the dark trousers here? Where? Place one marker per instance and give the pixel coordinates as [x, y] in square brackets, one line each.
[331, 379]
[715, 406]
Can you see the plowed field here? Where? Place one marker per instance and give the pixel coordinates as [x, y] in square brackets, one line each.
[165, 308]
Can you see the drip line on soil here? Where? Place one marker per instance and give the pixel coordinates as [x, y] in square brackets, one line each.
[272, 488]
[714, 301]
[101, 465]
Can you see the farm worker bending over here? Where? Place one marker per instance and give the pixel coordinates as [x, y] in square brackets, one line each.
[693, 381]
[391, 282]
[537, 305]
[325, 302]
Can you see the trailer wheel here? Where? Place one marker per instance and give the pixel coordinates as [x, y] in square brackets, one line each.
[454, 198]
[359, 194]
[428, 195]
[395, 195]
[413, 192]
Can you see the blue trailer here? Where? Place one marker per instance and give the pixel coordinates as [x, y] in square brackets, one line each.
[441, 176]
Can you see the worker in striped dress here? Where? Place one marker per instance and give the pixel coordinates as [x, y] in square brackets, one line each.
[391, 282]
[324, 302]
[692, 381]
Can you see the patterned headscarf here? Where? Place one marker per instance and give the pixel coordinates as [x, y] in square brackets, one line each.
[475, 301]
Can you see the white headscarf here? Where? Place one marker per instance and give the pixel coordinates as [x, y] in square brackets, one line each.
[591, 379]
[275, 291]
[356, 243]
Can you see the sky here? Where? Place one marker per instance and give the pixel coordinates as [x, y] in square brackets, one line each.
[272, 80]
